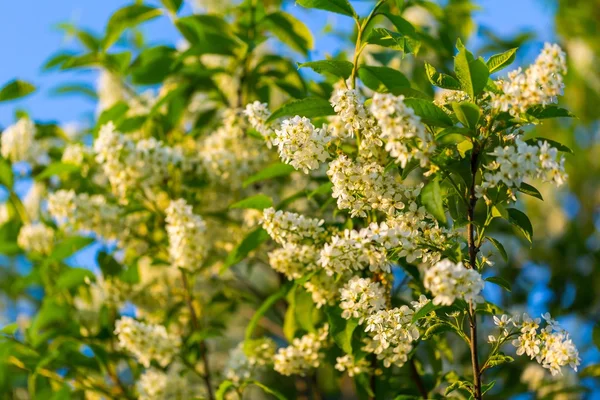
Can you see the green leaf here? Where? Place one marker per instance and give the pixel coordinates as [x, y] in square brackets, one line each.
[501, 61]
[457, 385]
[431, 198]
[10, 329]
[258, 202]
[304, 308]
[340, 329]
[412, 40]
[127, 17]
[530, 190]
[551, 111]
[153, 65]
[430, 113]
[224, 387]
[267, 389]
[497, 280]
[339, 68]
[309, 107]
[250, 242]
[6, 173]
[108, 265]
[69, 246]
[386, 38]
[440, 79]
[16, 89]
[76, 88]
[559, 146]
[265, 306]
[463, 147]
[130, 275]
[73, 277]
[424, 311]
[499, 247]
[521, 221]
[467, 113]
[172, 5]
[499, 359]
[590, 371]
[337, 6]
[437, 329]
[471, 73]
[272, 171]
[56, 168]
[596, 335]
[290, 31]
[383, 79]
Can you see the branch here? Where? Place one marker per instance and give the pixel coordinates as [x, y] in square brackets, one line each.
[417, 379]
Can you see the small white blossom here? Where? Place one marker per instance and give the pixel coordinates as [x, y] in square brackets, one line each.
[448, 281]
[17, 143]
[301, 144]
[187, 236]
[257, 114]
[361, 297]
[146, 342]
[289, 227]
[304, 354]
[294, 260]
[352, 366]
[37, 238]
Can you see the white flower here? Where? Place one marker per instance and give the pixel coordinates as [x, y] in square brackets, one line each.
[448, 281]
[75, 154]
[361, 297]
[540, 84]
[302, 145]
[289, 227]
[404, 135]
[257, 114]
[187, 236]
[173, 384]
[352, 366]
[304, 354]
[37, 238]
[247, 359]
[18, 143]
[294, 260]
[146, 342]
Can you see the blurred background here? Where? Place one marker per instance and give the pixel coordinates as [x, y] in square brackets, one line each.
[559, 274]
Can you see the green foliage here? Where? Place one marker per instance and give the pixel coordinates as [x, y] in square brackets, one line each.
[338, 68]
[16, 89]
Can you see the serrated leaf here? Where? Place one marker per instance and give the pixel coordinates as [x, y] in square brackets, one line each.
[340, 329]
[127, 17]
[467, 113]
[6, 173]
[424, 311]
[551, 111]
[441, 80]
[272, 171]
[457, 385]
[412, 40]
[497, 280]
[472, 73]
[337, 6]
[56, 168]
[290, 31]
[501, 61]
[339, 68]
[257, 202]
[73, 277]
[309, 107]
[520, 220]
[530, 190]
[499, 359]
[431, 198]
[430, 113]
[250, 242]
[437, 329]
[386, 38]
[559, 146]
[16, 89]
[499, 247]
[383, 79]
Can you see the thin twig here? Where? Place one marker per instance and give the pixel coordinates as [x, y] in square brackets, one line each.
[417, 378]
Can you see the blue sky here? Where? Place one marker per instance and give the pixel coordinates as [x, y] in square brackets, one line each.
[30, 37]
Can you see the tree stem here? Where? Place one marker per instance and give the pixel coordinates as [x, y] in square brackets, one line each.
[472, 262]
[196, 327]
[417, 379]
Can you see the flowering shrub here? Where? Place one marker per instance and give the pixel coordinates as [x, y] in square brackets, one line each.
[263, 235]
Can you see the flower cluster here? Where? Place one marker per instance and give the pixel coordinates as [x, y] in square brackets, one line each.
[75, 154]
[304, 354]
[364, 186]
[541, 83]
[129, 164]
[301, 144]
[352, 366]
[515, 163]
[17, 143]
[36, 237]
[404, 135]
[228, 156]
[146, 342]
[248, 358]
[294, 260]
[391, 333]
[258, 113]
[550, 345]
[173, 384]
[448, 281]
[361, 297]
[187, 236]
[289, 227]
